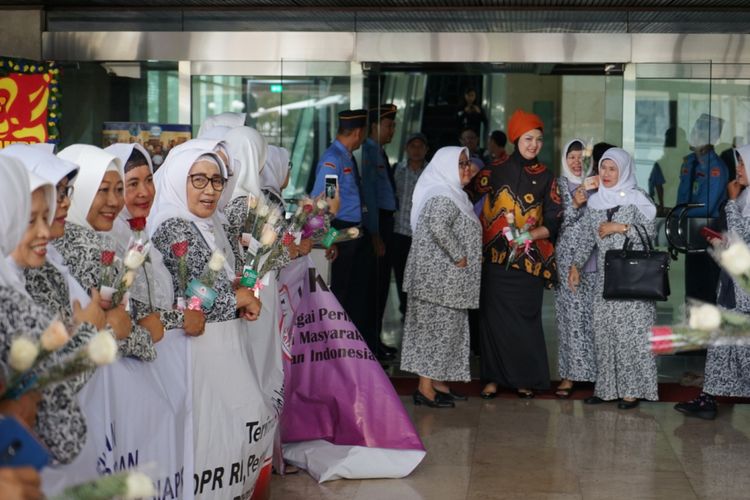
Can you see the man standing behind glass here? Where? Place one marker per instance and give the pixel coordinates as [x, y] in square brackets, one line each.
[405, 175]
[379, 194]
[348, 282]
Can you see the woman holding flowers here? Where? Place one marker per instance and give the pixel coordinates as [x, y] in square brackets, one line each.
[442, 278]
[87, 247]
[188, 187]
[520, 219]
[728, 367]
[626, 369]
[152, 296]
[29, 330]
[573, 310]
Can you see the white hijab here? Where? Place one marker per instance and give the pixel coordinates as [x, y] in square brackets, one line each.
[217, 145]
[227, 119]
[218, 132]
[39, 158]
[744, 198]
[162, 296]
[171, 201]
[249, 148]
[626, 191]
[441, 178]
[15, 209]
[15, 206]
[275, 170]
[94, 162]
[566, 171]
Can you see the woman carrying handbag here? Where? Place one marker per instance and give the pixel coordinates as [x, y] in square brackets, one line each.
[626, 369]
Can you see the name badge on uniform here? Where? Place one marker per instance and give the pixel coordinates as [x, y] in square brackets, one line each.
[347, 170]
[329, 165]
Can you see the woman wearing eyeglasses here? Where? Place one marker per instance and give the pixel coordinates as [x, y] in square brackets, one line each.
[520, 219]
[189, 186]
[151, 295]
[442, 278]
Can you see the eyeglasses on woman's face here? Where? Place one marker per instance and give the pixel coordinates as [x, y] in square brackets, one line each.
[464, 164]
[63, 193]
[200, 181]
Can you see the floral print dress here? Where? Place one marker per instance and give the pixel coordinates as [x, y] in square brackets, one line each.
[176, 230]
[728, 367]
[625, 366]
[82, 249]
[60, 422]
[573, 311]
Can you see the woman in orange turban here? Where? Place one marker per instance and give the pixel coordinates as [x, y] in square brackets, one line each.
[520, 219]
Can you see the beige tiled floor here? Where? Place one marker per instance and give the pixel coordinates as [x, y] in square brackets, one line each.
[543, 449]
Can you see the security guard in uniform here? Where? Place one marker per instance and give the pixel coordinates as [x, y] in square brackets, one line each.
[379, 194]
[348, 281]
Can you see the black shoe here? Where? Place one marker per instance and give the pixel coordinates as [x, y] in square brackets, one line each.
[488, 395]
[525, 394]
[627, 405]
[438, 402]
[386, 348]
[704, 406]
[593, 400]
[451, 396]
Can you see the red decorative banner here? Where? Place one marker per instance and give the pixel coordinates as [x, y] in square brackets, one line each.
[24, 100]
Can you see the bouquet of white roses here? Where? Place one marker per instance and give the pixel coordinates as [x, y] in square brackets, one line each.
[126, 485]
[26, 357]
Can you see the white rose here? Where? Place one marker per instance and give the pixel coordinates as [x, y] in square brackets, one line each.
[268, 237]
[252, 202]
[23, 353]
[736, 259]
[217, 261]
[54, 337]
[128, 279]
[102, 348]
[510, 217]
[264, 211]
[274, 218]
[705, 317]
[134, 259]
[353, 232]
[321, 204]
[139, 485]
[588, 151]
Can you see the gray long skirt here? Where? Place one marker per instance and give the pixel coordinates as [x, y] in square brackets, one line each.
[436, 341]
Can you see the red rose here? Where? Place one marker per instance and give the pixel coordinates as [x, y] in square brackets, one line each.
[307, 209]
[288, 239]
[180, 248]
[108, 257]
[137, 223]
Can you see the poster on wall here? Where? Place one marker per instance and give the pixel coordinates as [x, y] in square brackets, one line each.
[157, 138]
[29, 102]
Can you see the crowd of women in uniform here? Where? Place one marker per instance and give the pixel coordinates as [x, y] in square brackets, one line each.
[528, 230]
[60, 212]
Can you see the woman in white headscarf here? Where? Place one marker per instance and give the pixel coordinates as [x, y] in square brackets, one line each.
[727, 370]
[626, 369]
[189, 187]
[442, 278]
[30, 198]
[573, 310]
[228, 119]
[93, 210]
[152, 290]
[248, 150]
[275, 175]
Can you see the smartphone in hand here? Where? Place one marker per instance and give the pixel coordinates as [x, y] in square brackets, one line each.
[331, 183]
[19, 447]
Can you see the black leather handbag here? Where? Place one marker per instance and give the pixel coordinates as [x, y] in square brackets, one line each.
[636, 274]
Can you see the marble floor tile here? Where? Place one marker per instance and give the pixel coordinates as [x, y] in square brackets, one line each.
[636, 486]
[427, 482]
[522, 479]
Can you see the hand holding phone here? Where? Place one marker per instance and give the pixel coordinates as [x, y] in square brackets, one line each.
[591, 183]
[331, 185]
[19, 448]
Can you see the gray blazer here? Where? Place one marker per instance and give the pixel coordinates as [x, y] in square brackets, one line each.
[444, 236]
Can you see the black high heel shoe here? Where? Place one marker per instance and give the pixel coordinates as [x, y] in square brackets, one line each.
[451, 396]
[438, 402]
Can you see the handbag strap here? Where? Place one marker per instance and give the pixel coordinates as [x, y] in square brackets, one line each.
[643, 236]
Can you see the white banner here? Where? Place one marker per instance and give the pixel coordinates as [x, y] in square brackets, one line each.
[238, 390]
[138, 415]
